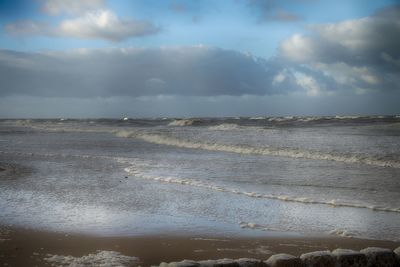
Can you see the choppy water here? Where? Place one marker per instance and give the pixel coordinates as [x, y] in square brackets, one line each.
[236, 176]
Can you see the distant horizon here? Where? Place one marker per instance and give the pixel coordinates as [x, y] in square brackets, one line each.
[255, 117]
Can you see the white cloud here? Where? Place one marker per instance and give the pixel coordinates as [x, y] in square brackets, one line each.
[349, 75]
[365, 38]
[298, 48]
[104, 24]
[280, 77]
[309, 84]
[359, 53]
[358, 34]
[56, 7]
[101, 24]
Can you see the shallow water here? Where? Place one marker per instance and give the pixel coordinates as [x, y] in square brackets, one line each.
[235, 176]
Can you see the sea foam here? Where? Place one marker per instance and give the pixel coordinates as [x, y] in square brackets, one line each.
[267, 151]
[183, 122]
[101, 258]
[135, 171]
[163, 139]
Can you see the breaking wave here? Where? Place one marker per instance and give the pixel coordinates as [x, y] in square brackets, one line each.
[235, 127]
[163, 139]
[134, 171]
[267, 151]
[184, 122]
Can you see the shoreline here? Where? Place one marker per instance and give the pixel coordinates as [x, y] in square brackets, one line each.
[27, 247]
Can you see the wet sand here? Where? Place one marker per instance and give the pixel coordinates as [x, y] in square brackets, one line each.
[24, 247]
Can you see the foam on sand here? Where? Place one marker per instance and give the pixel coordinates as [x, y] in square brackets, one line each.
[343, 233]
[250, 225]
[101, 258]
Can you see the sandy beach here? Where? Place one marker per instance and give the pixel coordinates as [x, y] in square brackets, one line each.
[23, 247]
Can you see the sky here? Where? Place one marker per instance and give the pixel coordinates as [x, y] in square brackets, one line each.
[197, 58]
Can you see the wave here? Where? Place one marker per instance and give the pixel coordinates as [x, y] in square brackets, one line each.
[351, 117]
[184, 122]
[239, 149]
[225, 127]
[234, 127]
[64, 155]
[281, 119]
[134, 171]
[267, 151]
[258, 118]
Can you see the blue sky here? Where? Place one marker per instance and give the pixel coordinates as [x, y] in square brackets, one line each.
[230, 24]
[307, 48]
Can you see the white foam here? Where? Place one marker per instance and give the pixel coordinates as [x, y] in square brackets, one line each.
[307, 119]
[135, 171]
[101, 258]
[279, 119]
[182, 122]
[268, 151]
[343, 233]
[250, 225]
[124, 133]
[233, 127]
[347, 117]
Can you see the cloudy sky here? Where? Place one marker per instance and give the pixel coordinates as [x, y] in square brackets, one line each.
[151, 58]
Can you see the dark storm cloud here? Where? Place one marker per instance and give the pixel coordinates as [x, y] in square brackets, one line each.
[186, 71]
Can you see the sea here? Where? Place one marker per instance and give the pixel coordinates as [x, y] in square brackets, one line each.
[252, 176]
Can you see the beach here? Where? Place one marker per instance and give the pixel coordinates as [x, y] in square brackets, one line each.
[169, 189]
[27, 247]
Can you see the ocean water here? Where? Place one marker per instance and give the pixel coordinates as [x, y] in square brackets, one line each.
[207, 176]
